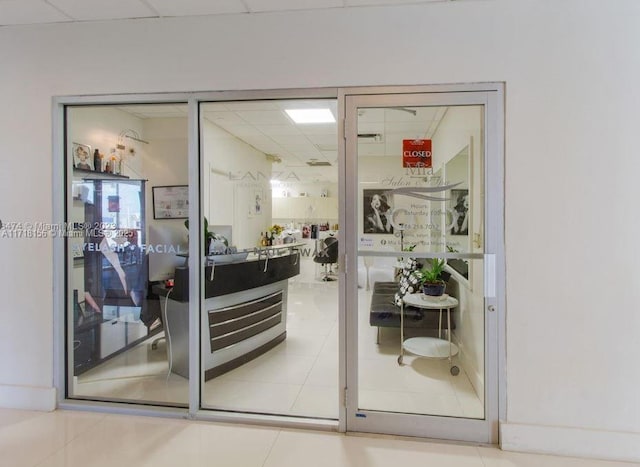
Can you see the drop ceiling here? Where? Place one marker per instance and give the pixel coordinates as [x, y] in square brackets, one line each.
[265, 126]
[16, 12]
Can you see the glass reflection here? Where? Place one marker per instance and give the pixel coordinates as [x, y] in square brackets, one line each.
[421, 310]
[120, 252]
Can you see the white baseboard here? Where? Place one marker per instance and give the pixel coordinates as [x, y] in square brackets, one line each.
[28, 397]
[574, 442]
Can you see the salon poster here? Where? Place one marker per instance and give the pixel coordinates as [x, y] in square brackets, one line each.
[416, 153]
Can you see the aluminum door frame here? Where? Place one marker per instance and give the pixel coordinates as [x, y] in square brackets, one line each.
[491, 96]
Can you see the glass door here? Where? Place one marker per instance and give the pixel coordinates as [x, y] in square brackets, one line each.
[423, 357]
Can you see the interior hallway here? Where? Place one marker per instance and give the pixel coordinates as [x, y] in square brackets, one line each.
[70, 439]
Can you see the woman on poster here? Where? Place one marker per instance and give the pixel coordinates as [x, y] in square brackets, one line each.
[377, 215]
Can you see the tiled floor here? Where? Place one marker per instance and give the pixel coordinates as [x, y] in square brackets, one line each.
[299, 376]
[79, 439]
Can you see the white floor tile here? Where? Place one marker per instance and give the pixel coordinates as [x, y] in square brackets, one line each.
[133, 441]
[77, 439]
[274, 367]
[324, 371]
[410, 402]
[301, 343]
[300, 375]
[320, 450]
[250, 396]
[316, 401]
[29, 438]
[496, 458]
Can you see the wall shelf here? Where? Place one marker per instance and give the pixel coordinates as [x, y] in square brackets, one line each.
[93, 174]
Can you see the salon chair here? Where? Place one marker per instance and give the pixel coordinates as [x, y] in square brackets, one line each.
[327, 255]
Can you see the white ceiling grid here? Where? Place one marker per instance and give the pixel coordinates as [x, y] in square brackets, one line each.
[266, 126]
[17, 12]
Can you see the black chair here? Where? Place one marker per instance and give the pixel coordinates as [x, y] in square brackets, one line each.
[328, 255]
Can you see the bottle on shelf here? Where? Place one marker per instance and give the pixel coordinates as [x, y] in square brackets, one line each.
[265, 240]
[97, 161]
[114, 164]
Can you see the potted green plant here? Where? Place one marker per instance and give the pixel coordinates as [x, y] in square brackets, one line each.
[432, 278]
[207, 236]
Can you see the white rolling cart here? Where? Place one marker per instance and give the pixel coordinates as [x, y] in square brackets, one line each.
[430, 347]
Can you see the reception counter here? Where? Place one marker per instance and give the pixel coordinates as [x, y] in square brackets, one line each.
[244, 312]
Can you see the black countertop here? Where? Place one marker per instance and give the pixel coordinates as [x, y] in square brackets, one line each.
[235, 277]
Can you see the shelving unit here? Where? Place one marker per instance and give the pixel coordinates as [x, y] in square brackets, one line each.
[92, 174]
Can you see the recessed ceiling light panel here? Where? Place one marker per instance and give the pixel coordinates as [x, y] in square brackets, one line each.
[303, 116]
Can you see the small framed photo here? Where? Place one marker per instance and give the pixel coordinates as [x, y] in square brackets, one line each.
[81, 156]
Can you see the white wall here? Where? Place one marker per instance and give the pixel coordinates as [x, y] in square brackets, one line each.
[164, 164]
[234, 173]
[571, 70]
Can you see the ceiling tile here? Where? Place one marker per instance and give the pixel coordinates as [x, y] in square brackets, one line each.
[241, 130]
[197, 7]
[86, 10]
[278, 130]
[385, 2]
[408, 130]
[276, 5]
[266, 117]
[331, 156]
[259, 142]
[251, 105]
[223, 118]
[270, 147]
[214, 107]
[370, 115]
[303, 151]
[410, 114]
[28, 12]
[324, 140]
[291, 140]
[319, 129]
[371, 149]
[365, 127]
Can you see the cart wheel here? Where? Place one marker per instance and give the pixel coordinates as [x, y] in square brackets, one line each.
[400, 360]
[455, 371]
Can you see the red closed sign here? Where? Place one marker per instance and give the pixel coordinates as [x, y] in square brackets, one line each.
[416, 153]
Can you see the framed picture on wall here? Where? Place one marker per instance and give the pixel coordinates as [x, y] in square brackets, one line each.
[376, 212]
[170, 202]
[81, 156]
[459, 205]
[258, 197]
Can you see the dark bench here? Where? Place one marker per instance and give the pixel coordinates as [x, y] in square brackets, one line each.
[383, 312]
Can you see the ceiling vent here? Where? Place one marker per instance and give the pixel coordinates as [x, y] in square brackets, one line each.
[317, 163]
[370, 137]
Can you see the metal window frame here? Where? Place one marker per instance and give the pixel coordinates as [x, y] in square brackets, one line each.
[193, 100]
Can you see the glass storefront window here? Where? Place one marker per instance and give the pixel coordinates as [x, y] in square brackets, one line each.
[123, 243]
[269, 317]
